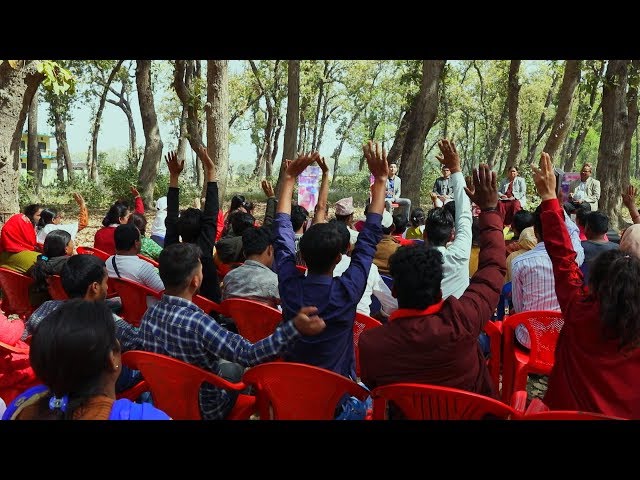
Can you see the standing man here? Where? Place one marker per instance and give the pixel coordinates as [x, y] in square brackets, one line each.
[442, 190]
[394, 185]
[583, 191]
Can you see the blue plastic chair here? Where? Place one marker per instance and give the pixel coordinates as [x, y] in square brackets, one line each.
[505, 297]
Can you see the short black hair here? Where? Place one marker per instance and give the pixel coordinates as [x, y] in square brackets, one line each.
[417, 217]
[522, 219]
[177, 264]
[451, 208]
[438, 226]
[79, 272]
[237, 201]
[596, 221]
[117, 211]
[55, 244]
[417, 276]
[189, 224]
[125, 236]
[240, 221]
[320, 246]
[256, 240]
[581, 213]
[299, 215]
[344, 218]
[139, 221]
[400, 223]
[46, 217]
[345, 236]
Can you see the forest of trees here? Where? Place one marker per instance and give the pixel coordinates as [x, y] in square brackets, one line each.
[501, 112]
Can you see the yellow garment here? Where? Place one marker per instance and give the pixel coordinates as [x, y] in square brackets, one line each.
[387, 247]
[473, 260]
[508, 233]
[19, 262]
[527, 241]
[415, 233]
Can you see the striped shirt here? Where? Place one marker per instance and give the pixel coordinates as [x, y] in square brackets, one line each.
[180, 329]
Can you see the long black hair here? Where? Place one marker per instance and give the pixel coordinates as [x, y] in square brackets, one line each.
[46, 217]
[117, 211]
[55, 246]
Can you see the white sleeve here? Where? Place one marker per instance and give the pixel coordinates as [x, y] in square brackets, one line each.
[150, 277]
[574, 233]
[460, 248]
[383, 294]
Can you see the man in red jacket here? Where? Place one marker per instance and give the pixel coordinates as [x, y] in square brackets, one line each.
[428, 340]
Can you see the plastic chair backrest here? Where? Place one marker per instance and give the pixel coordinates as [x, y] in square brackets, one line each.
[569, 415]
[544, 328]
[133, 296]
[15, 293]
[254, 320]
[433, 402]
[149, 259]
[208, 305]
[361, 323]
[174, 384]
[296, 391]
[56, 291]
[494, 331]
[92, 251]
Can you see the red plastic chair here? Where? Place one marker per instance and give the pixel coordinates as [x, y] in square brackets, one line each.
[133, 296]
[56, 290]
[92, 251]
[494, 331]
[15, 293]
[149, 259]
[208, 305]
[362, 322]
[544, 328]
[296, 391]
[538, 410]
[254, 320]
[175, 385]
[433, 402]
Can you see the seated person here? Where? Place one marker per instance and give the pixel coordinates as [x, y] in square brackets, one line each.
[126, 263]
[118, 214]
[430, 339]
[299, 216]
[254, 279]
[229, 247]
[85, 276]
[596, 227]
[416, 230]
[584, 192]
[521, 219]
[158, 230]
[400, 228]
[387, 246]
[148, 247]
[18, 240]
[16, 374]
[50, 220]
[58, 246]
[527, 240]
[442, 191]
[76, 353]
[375, 284]
[177, 327]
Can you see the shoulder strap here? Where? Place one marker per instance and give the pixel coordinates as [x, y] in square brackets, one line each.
[115, 267]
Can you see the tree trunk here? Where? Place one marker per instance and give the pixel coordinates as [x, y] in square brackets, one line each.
[562, 120]
[124, 105]
[17, 87]
[34, 159]
[637, 169]
[543, 124]
[183, 141]
[63, 157]
[515, 128]
[494, 148]
[92, 161]
[338, 150]
[318, 105]
[425, 107]
[398, 142]
[632, 111]
[152, 140]
[615, 121]
[293, 118]
[218, 120]
[185, 73]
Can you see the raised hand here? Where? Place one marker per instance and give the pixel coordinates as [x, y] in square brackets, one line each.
[175, 166]
[134, 191]
[629, 197]
[207, 163]
[545, 177]
[323, 165]
[293, 168]
[267, 188]
[307, 322]
[485, 187]
[78, 198]
[449, 155]
[376, 160]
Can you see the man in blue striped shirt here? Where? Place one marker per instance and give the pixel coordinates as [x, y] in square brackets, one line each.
[177, 327]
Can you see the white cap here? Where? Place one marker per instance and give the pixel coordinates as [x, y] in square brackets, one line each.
[387, 219]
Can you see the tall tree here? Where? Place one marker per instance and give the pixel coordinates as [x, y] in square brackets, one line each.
[217, 110]
[562, 120]
[153, 142]
[515, 127]
[293, 117]
[615, 121]
[34, 158]
[123, 102]
[425, 106]
[19, 80]
[632, 110]
[543, 124]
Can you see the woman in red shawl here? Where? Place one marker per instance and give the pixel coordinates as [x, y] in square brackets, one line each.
[18, 240]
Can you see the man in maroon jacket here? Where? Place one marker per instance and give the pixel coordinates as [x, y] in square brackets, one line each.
[428, 340]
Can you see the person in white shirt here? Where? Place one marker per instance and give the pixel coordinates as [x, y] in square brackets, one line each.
[158, 230]
[440, 227]
[375, 285]
[532, 282]
[126, 263]
[583, 191]
[50, 220]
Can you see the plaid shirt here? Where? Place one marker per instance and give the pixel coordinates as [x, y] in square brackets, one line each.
[127, 335]
[180, 329]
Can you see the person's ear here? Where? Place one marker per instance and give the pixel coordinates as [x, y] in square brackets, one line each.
[194, 284]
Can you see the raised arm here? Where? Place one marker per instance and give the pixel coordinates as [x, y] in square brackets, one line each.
[173, 198]
[270, 212]
[209, 221]
[629, 200]
[137, 199]
[567, 275]
[83, 215]
[321, 215]
[460, 248]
